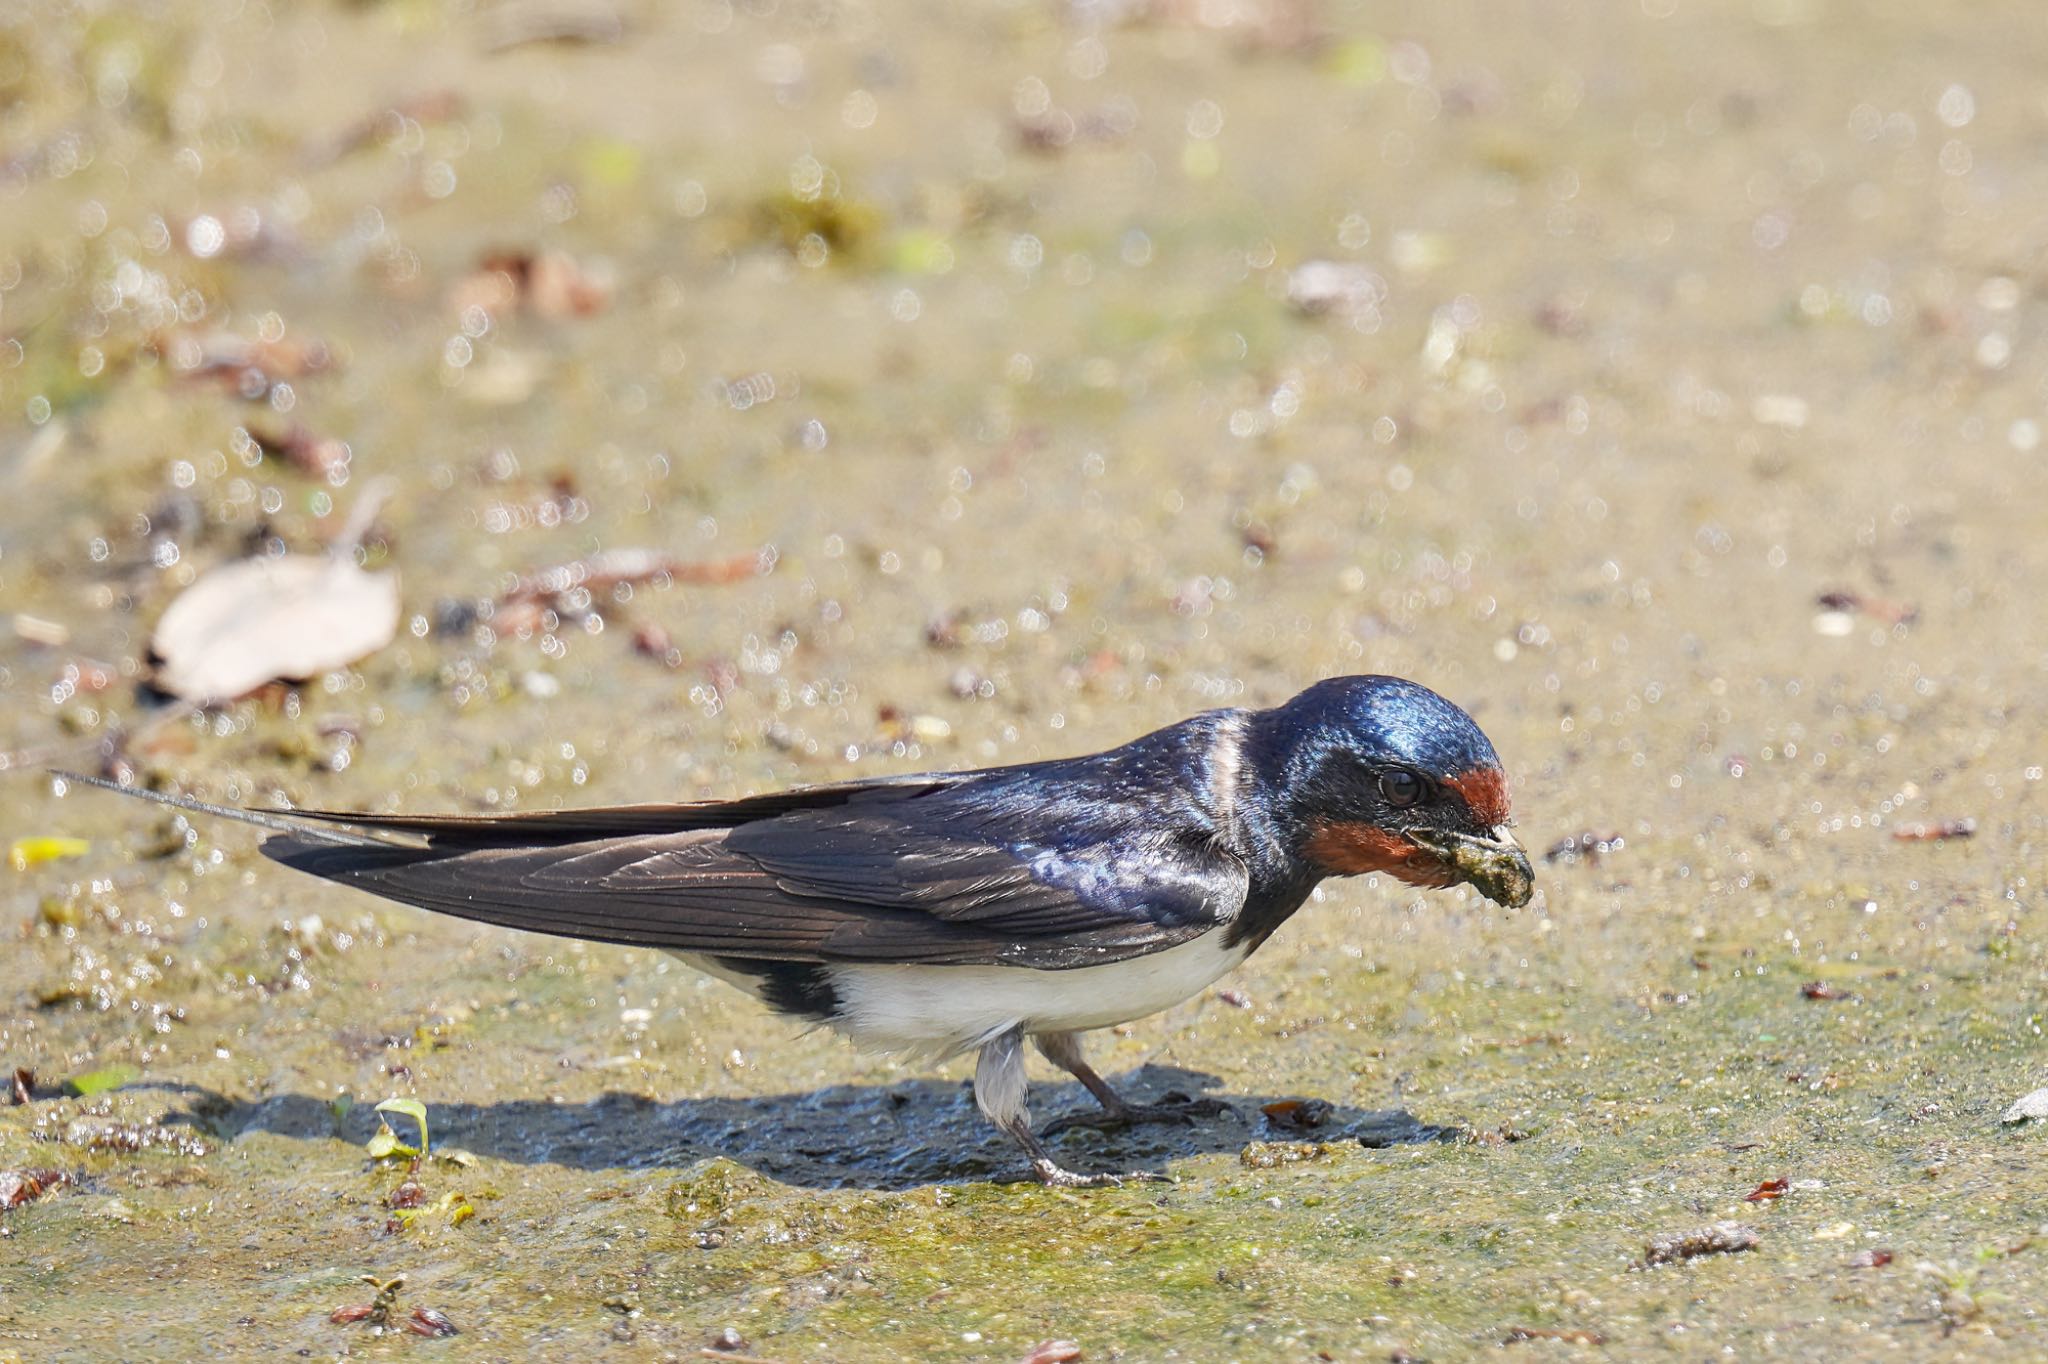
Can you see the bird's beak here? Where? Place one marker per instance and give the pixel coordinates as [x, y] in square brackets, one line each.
[1495, 865]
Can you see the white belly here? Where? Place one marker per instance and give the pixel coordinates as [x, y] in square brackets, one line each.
[941, 1010]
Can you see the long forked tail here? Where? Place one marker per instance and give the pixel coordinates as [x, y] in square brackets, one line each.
[278, 821]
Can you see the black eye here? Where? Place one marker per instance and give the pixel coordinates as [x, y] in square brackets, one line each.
[1401, 789]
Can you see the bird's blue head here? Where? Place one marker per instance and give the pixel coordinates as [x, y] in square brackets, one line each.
[1382, 774]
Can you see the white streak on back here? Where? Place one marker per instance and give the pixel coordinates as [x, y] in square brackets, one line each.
[1226, 773]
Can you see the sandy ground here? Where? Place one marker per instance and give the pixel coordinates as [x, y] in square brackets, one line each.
[1671, 393]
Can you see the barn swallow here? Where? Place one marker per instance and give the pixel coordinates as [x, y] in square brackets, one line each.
[941, 913]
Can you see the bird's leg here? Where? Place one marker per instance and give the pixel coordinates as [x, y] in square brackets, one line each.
[1063, 1049]
[1000, 1091]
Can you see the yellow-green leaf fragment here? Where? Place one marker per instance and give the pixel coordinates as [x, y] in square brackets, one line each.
[411, 1108]
[100, 1081]
[456, 1207]
[24, 853]
[384, 1144]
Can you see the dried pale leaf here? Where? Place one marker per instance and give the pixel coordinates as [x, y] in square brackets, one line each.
[1053, 1352]
[250, 622]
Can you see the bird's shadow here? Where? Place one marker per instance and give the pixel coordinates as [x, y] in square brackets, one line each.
[896, 1136]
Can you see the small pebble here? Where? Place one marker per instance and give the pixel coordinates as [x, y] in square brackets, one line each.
[2034, 1106]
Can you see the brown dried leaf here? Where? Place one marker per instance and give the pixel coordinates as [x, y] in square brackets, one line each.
[257, 620]
[558, 287]
[25, 1186]
[24, 1084]
[1934, 833]
[549, 284]
[608, 568]
[1870, 1259]
[1766, 1191]
[1877, 608]
[430, 1321]
[1299, 1114]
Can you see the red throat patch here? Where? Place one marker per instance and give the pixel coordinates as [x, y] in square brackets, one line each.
[1485, 792]
[1347, 848]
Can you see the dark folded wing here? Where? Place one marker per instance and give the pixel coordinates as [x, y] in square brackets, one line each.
[860, 879]
[529, 827]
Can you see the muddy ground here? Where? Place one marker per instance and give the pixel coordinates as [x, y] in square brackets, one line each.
[1671, 393]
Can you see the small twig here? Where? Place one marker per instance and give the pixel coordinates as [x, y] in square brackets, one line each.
[375, 494]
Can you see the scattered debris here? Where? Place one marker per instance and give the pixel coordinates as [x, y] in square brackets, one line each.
[1767, 1191]
[1299, 1115]
[95, 1131]
[1573, 1336]
[389, 123]
[25, 1186]
[322, 457]
[653, 642]
[1931, 833]
[1584, 846]
[1870, 1259]
[1266, 1155]
[2034, 1107]
[24, 853]
[609, 568]
[728, 1341]
[430, 1321]
[1721, 1238]
[524, 23]
[548, 284]
[1053, 1352]
[1052, 130]
[1505, 1134]
[1820, 989]
[1338, 288]
[1236, 999]
[248, 368]
[1847, 604]
[35, 630]
[377, 1312]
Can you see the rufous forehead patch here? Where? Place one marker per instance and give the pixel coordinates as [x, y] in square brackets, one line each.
[1485, 792]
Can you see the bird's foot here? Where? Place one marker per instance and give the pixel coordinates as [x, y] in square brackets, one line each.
[1173, 1107]
[1055, 1177]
